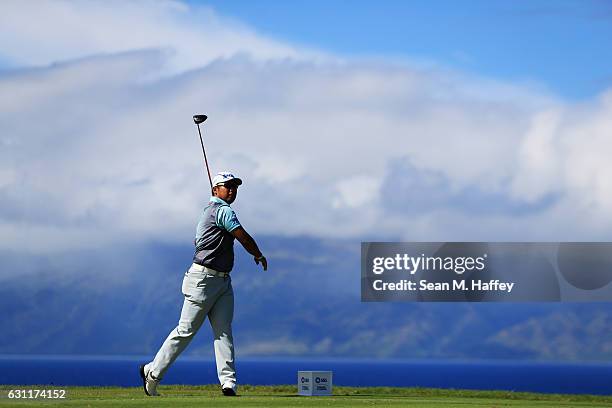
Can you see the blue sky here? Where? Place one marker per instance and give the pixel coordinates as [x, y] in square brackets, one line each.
[490, 120]
[347, 121]
[564, 45]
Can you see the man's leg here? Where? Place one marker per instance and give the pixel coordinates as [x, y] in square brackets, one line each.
[192, 317]
[221, 316]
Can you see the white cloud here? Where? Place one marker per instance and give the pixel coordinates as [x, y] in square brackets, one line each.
[538, 168]
[104, 146]
[49, 31]
[357, 191]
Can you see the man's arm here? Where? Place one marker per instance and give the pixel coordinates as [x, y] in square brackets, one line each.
[250, 245]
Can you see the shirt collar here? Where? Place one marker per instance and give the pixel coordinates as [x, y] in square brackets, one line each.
[215, 199]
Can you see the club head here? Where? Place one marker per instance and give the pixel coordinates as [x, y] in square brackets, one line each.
[199, 118]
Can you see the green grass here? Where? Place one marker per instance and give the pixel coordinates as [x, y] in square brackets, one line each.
[285, 396]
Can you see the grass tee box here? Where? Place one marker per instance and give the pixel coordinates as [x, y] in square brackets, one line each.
[284, 396]
[314, 383]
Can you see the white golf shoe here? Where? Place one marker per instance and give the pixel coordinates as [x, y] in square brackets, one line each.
[149, 383]
[229, 389]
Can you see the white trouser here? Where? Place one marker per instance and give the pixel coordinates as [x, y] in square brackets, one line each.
[205, 295]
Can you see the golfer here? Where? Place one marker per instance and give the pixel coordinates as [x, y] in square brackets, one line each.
[207, 287]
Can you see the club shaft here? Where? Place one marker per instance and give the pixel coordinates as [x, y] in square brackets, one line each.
[205, 159]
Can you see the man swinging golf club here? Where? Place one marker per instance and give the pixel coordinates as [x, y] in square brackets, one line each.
[207, 287]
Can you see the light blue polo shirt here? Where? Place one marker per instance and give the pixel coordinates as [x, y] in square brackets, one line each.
[226, 216]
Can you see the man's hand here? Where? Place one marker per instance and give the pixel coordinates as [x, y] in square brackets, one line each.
[263, 260]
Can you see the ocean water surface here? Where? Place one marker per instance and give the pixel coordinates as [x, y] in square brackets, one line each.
[574, 378]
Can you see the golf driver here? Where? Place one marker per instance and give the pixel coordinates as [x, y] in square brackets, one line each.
[199, 119]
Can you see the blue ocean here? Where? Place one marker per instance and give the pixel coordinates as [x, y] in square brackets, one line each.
[584, 378]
